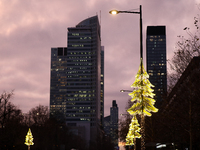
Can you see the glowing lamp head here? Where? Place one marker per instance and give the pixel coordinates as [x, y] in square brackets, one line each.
[113, 12]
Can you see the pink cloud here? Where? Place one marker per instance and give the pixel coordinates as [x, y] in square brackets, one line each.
[30, 28]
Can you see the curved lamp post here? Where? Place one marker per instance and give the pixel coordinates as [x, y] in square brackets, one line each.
[114, 12]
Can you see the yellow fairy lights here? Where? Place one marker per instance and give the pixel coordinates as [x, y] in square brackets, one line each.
[133, 131]
[142, 96]
[29, 139]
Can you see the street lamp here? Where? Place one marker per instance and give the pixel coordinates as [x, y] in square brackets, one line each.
[114, 12]
[141, 59]
[126, 91]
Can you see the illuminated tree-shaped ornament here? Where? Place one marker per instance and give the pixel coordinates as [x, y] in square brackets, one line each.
[142, 95]
[29, 139]
[133, 132]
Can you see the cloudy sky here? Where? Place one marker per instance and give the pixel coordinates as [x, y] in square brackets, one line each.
[29, 28]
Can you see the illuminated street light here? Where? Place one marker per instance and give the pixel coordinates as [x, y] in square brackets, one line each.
[126, 90]
[113, 12]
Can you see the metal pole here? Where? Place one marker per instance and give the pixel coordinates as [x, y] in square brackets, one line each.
[141, 60]
[141, 41]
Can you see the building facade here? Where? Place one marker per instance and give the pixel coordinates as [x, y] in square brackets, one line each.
[114, 122]
[111, 123]
[156, 60]
[102, 86]
[58, 82]
[76, 79]
[180, 113]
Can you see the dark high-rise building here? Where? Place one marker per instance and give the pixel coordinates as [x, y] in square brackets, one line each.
[58, 82]
[76, 79]
[102, 85]
[114, 114]
[111, 123]
[156, 60]
[114, 122]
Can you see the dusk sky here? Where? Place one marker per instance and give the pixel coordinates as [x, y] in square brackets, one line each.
[29, 28]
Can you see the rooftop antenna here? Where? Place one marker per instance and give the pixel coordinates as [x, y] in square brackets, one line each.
[100, 17]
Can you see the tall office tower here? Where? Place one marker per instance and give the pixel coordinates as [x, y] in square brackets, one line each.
[102, 85]
[156, 60]
[111, 123]
[76, 79]
[114, 122]
[58, 82]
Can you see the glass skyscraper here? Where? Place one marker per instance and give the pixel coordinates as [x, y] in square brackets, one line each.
[102, 86]
[156, 60]
[76, 79]
[111, 123]
[114, 122]
[58, 82]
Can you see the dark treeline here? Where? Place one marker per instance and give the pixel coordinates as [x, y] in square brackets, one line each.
[49, 133]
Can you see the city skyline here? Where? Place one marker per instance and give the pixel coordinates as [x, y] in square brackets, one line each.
[29, 29]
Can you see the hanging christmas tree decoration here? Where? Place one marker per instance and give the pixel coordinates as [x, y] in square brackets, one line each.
[29, 139]
[133, 132]
[142, 96]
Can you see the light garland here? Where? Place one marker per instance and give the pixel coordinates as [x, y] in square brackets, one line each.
[142, 96]
[29, 139]
[133, 133]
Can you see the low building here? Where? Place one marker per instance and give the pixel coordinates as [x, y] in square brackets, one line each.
[178, 118]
